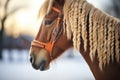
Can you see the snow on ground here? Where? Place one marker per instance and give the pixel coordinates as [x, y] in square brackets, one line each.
[101, 4]
[63, 68]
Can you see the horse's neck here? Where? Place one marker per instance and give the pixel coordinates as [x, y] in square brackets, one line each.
[108, 73]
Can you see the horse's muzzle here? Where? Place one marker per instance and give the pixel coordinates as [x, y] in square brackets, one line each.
[41, 66]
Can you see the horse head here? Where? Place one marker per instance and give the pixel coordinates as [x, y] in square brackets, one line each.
[51, 40]
[77, 23]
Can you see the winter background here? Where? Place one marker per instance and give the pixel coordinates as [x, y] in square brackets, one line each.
[20, 30]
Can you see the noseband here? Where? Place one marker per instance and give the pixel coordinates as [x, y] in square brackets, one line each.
[55, 34]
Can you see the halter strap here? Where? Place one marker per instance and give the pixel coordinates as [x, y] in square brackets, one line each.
[56, 32]
[56, 10]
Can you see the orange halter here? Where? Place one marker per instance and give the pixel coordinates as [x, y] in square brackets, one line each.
[56, 32]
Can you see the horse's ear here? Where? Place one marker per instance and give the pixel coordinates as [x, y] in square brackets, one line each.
[49, 5]
[45, 8]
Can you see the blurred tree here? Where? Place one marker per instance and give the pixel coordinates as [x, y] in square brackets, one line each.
[116, 6]
[3, 19]
[2, 27]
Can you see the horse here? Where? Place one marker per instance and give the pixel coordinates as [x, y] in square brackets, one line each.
[78, 24]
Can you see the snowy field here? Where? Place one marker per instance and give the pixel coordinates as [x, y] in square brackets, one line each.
[17, 67]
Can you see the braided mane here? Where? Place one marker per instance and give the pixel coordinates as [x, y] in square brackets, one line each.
[84, 22]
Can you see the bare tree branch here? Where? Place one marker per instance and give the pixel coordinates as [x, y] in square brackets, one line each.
[0, 3]
[6, 6]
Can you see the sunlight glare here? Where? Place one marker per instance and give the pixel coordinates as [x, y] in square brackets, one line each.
[25, 20]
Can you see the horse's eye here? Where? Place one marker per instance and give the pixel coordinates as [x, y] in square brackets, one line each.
[48, 22]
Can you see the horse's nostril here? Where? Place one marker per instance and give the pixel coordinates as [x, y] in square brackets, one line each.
[42, 65]
[32, 59]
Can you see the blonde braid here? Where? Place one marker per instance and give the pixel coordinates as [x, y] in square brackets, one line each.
[95, 28]
[79, 23]
[109, 40]
[91, 32]
[117, 42]
[104, 51]
[75, 25]
[112, 40]
[100, 37]
[69, 31]
[105, 39]
[84, 30]
[102, 47]
[79, 26]
[66, 20]
[85, 13]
